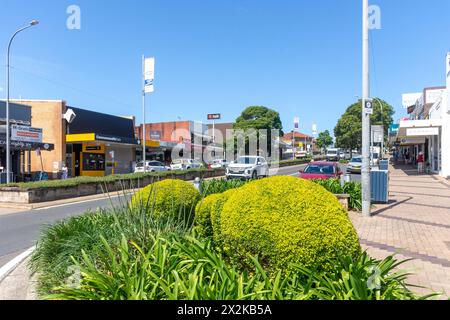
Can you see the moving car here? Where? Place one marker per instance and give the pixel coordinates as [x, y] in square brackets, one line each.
[248, 167]
[355, 165]
[152, 166]
[333, 155]
[218, 164]
[321, 171]
[185, 164]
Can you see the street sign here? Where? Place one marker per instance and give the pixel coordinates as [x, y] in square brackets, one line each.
[214, 116]
[368, 106]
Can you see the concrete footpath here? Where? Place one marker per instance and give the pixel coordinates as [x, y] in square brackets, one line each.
[19, 284]
[414, 225]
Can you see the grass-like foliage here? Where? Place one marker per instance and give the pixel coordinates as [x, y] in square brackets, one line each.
[215, 186]
[353, 189]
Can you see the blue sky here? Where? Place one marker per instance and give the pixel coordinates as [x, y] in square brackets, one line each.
[299, 57]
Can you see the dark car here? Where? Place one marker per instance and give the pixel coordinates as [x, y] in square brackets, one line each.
[321, 171]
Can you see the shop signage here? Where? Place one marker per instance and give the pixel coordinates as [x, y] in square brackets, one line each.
[214, 116]
[26, 134]
[155, 135]
[93, 148]
[422, 132]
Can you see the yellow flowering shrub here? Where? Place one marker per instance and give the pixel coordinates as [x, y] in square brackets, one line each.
[285, 220]
[207, 214]
[167, 198]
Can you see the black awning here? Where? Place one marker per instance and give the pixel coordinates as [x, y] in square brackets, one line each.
[27, 146]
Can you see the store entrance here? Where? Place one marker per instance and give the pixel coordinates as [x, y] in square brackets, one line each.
[77, 150]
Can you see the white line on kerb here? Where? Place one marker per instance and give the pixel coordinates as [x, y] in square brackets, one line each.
[10, 266]
[73, 203]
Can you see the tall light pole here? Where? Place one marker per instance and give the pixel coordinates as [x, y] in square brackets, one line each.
[365, 171]
[8, 138]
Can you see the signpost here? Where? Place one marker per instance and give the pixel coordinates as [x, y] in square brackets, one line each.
[213, 117]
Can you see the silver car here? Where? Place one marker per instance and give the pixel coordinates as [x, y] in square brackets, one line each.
[185, 164]
[248, 167]
[152, 166]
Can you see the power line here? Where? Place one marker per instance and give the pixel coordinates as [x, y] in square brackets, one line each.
[73, 88]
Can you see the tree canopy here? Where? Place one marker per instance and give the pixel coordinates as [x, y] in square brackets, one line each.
[324, 140]
[348, 131]
[259, 117]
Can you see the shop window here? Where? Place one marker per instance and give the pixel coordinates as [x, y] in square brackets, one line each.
[93, 162]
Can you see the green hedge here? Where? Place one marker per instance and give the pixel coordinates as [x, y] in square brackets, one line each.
[73, 182]
[284, 221]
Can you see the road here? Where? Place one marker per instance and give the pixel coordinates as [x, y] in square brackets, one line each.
[20, 230]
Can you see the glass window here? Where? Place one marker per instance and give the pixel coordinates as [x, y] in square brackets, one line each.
[93, 162]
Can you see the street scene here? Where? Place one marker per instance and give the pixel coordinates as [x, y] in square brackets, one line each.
[198, 152]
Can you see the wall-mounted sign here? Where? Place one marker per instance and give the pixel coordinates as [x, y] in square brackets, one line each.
[155, 135]
[214, 116]
[93, 148]
[26, 134]
[422, 132]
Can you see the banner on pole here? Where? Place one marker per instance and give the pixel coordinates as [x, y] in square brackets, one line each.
[296, 122]
[149, 74]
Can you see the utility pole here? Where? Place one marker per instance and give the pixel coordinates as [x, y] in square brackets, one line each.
[365, 172]
[8, 129]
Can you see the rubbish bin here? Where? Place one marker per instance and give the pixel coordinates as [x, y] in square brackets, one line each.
[380, 186]
[384, 165]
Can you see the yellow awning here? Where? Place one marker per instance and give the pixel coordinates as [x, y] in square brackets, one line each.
[80, 137]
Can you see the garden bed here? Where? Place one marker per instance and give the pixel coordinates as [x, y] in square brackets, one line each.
[44, 191]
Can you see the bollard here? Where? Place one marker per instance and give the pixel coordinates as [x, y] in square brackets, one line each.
[197, 184]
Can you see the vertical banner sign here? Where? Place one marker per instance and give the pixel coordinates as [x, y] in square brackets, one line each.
[149, 74]
[448, 81]
[296, 122]
[314, 129]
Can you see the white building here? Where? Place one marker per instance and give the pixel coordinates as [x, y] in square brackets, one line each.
[428, 127]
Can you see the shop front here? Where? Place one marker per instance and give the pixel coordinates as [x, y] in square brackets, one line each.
[98, 144]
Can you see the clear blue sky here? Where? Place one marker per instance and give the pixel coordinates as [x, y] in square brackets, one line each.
[301, 58]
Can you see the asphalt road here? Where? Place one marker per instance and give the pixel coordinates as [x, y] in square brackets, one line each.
[20, 230]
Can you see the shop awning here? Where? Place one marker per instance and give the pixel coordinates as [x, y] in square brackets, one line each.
[419, 128]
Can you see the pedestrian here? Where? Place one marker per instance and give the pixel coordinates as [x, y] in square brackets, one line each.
[406, 157]
[64, 171]
[420, 162]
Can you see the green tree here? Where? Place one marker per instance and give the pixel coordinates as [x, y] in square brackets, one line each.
[348, 131]
[258, 118]
[324, 140]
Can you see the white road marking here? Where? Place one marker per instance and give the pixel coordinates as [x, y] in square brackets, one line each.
[75, 202]
[10, 266]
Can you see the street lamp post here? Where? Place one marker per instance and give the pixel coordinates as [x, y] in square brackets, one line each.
[365, 171]
[8, 138]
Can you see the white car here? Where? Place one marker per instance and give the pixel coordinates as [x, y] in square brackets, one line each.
[248, 167]
[152, 166]
[185, 164]
[219, 164]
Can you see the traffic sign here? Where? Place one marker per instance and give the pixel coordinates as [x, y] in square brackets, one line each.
[368, 106]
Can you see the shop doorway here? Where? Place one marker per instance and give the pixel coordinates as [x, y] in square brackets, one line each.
[77, 150]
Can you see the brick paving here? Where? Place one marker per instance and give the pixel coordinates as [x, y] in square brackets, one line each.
[414, 225]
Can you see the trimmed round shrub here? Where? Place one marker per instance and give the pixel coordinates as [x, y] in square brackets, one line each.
[207, 214]
[286, 221]
[167, 198]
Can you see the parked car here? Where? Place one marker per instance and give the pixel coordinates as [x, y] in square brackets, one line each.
[152, 166]
[321, 171]
[355, 165]
[219, 164]
[248, 167]
[333, 155]
[186, 164]
[301, 155]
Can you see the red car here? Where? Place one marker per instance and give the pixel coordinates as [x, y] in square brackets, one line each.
[321, 171]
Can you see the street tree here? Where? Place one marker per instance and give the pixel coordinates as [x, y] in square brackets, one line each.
[324, 140]
[256, 118]
[348, 131]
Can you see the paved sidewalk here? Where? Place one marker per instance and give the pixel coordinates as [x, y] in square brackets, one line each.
[416, 225]
[18, 285]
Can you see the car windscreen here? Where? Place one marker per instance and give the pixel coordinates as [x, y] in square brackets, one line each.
[356, 160]
[320, 169]
[155, 164]
[140, 164]
[332, 152]
[246, 160]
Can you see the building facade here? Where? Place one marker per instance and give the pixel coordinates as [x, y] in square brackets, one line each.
[427, 129]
